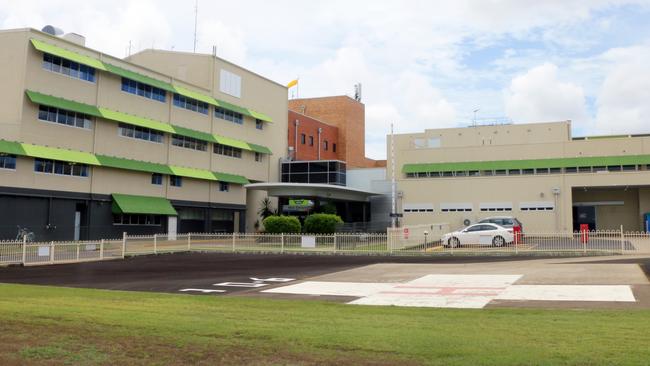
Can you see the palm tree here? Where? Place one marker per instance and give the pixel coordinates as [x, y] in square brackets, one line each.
[266, 208]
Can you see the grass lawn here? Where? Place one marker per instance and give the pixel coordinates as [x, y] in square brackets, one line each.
[51, 325]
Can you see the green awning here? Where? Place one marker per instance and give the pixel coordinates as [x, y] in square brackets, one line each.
[259, 148]
[116, 70]
[528, 164]
[72, 56]
[130, 204]
[137, 165]
[44, 152]
[232, 142]
[138, 77]
[51, 101]
[111, 115]
[192, 173]
[231, 178]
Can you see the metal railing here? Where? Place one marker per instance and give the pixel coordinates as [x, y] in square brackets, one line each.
[394, 242]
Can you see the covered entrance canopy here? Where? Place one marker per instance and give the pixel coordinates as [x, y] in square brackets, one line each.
[307, 190]
[301, 199]
[130, 204]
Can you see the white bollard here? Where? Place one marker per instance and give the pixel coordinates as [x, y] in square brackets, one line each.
[101, 250]
[155, 244]
[123, 243]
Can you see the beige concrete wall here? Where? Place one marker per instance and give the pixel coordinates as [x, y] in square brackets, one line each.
[12, 75]
[23, 70]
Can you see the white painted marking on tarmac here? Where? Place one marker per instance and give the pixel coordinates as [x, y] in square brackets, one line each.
[457, 291]
[241, 284]
[352, 289]
[203, 290]
[272, 279]
[618, 293]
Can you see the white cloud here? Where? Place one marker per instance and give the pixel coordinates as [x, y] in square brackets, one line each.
[624, 99]
[539, 96]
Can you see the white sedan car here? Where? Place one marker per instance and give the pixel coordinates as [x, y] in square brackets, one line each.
[479, 234]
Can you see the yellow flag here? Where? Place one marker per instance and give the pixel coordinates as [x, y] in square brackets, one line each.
[292, 83]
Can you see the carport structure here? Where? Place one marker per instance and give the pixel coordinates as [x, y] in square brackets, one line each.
[609, 207]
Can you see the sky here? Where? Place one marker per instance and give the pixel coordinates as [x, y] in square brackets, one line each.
[422, 64]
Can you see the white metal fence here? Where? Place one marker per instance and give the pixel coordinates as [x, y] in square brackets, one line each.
[421, 242]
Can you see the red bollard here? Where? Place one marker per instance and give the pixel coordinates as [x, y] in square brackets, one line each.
[516, 230]
[584, 233]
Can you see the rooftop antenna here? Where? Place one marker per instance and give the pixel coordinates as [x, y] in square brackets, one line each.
[474, 120]
[196, 16]
[357, 92]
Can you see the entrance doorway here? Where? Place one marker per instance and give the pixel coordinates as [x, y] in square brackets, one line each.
[584, 215]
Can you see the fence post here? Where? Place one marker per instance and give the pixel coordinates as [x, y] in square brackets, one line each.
[24, 249]
[233, 241]
[335, 242]
[123, 244]
[52, 252]
[78, 245]
[101, 249]
[155, 244]
[281, 242]
[622, 240]
[189, 241]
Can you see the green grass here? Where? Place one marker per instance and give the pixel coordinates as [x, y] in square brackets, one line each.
[39, 325]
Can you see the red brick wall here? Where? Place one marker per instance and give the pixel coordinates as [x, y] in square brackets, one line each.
[309, 126]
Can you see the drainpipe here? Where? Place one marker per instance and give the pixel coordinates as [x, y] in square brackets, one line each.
[295, 144]
[319, 132]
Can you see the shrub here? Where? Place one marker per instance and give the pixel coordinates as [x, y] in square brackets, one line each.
[322, 223]
[329, 208]
[281, 224]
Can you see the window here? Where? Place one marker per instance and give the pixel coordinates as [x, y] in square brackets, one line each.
[258, 157]
[537, 206]
[259, 124]
[311, 140]
[333, 147]
[528, 171]
[229, 115]
[189, 143]
[230, 83]
[64, 117]
[60, 168]
[156, 178]
[190, 104]
[7, 161]
[141, 133]
[224, 186]
[69, 68]
[303, 137]
[175, 181]
[137, 219]
[325, 145]
[143, 90]
[234, 152]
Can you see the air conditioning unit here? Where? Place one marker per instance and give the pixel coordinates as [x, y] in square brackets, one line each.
[467, 221]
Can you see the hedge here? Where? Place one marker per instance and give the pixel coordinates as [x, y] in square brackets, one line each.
[322, 223]
[281, 224]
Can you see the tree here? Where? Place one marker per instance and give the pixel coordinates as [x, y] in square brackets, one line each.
[266, 208]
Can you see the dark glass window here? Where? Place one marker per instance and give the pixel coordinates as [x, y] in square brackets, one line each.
[64, 117]
[189, 143]
[325, 145]
[259, 124]
[175, 181]
[141, 133]
[311, 140]
[333, 147]
[226, 150]
[60, 167]
[303, 137]
[156, 178]
[69, 68]
[224, 186]
[7, 161]
[143, 90]
[228, 115]
[190, 104]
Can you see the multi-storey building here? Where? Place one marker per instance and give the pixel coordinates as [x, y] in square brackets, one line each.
[92, 145]
[536, 172]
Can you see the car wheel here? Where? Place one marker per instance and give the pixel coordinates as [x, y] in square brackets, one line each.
[454, 242]
[498, 241]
